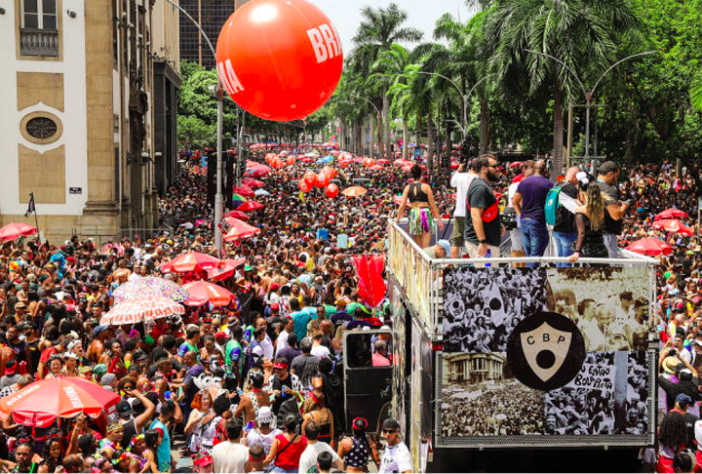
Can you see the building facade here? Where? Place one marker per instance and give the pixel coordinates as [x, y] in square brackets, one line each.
[211, 16]
[473, 368]
[77, 118]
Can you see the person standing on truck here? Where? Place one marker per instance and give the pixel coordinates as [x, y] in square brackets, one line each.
[397, 457]
[461, 181]
[483, 229]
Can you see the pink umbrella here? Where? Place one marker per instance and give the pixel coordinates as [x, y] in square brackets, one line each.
[250, 206]
[190, 262]
[650, 246]
[671, 214]
[239, 215]
[253, 183]
[14, 231]
[376, 168]
[245, 191]
[225, 270]
[202, 292]
[674, 227]
[383, 161]
[239, 230]
[141, 309]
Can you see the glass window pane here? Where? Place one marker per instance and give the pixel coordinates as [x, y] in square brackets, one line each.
[49, 22]
[49, 6]
[30, 6]
[31, 21]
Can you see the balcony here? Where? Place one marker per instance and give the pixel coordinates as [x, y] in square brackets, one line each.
[39, 42]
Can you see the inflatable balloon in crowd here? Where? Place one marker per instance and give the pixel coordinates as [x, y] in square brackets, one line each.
[279, 59]
[304, 187]
[332, 191]
[290, 160]
[310, 178]
[270, 157]
[330, 171]
[368, 162]
[277, 163]
[323, 180]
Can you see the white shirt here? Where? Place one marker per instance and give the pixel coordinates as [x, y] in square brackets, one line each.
[282, 341]
[461, 181]
[309, 455]
[511, 191]
[320, 351]
[230, 457]
[685, 355]
[396, 459]
[267, 347]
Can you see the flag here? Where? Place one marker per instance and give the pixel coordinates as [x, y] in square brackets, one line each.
[30, 206]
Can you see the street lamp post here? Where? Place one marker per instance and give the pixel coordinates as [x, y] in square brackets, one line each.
[371, 124]
[219, 93]
[588, 94]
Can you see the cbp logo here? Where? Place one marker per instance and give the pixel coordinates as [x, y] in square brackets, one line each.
[545, 351]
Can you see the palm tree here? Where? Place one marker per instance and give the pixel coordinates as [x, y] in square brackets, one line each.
[583, 34]
[378, 31]
[696, 92]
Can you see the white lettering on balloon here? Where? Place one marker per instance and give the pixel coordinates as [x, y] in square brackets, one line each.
[325, 42]
[229, 78]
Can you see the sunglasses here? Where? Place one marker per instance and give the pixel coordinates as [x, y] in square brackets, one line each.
[389, 431]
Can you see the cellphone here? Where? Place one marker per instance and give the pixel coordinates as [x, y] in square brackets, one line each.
[167, 395]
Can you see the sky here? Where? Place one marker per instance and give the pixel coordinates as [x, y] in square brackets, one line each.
[421, 14]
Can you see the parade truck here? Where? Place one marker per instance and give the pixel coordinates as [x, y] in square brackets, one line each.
[509, 354]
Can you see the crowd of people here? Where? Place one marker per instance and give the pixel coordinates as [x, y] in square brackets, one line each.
[259, 383]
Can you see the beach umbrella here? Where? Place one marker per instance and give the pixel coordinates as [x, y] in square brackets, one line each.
[39, 404]
[674, 227]
[142, 309]
[262, 192]
[149, 287]
[382, 161]
[239, 215]
[671, 214]
[245, 191]
[226, 269]
[190, 262]
[253, 183]
[14, 231]
[239, 230]
[202, 292]
[250, 206]
[650, 246]
[354, 191]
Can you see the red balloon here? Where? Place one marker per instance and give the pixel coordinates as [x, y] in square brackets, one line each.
[290, 160]
[323, 180]
[279, 59]
[330, 171]
[270, 157]
[368, 162]
[304, 187]
[277, 163]
[332, 190]
[310, 178]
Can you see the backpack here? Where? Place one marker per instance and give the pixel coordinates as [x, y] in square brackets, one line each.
[553, 203]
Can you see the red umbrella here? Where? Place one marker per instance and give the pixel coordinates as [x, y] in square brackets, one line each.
[673, 226]
[376, 168]
[40, 403]
[253, 183]
[515, 164]
[650, 246]
[225, 270]
[671, 214]
[190, 262]
[383, 161]
[250, 206]
[239, 230]
[239, 215]
[202, 292]
[245, 191]
[140, 309]
[16, 230]
[307, 160]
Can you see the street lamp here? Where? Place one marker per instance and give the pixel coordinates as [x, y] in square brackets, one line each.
[379, 114]
[464, 97]
[588, 95]
[219, 95]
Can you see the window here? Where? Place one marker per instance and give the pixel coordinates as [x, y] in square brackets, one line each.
[41, 128]
[39, 14]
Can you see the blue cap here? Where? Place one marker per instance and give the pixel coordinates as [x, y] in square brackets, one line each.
[446, 245]
[683, 399]
[98, 329]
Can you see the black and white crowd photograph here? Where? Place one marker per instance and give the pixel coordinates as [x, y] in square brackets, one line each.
[611, 308]
[480, 397]
[483, 305]
[607, 397]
